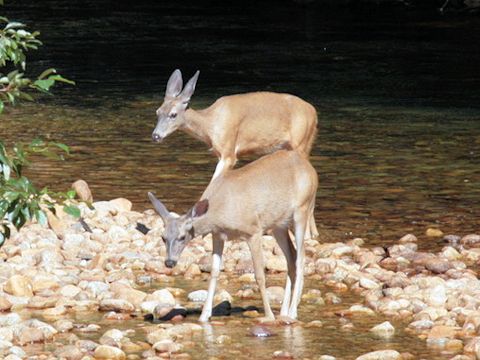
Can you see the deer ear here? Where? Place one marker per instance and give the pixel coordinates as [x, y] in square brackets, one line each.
[190, 87]
[159, 207]
[174, 85]
[200, 208]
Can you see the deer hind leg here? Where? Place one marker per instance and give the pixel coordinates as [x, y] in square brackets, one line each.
[255, 245]
[312, 231]
[285, 243]
[300, 218]
[218, 243]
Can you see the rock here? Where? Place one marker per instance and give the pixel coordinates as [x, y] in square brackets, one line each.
[161, 310]
[198, 296]
[157, 335]
[275, 294]
[360, 309]
[223, 339]
[440, 334]
[384, 330]
[192, 271]
[10, 319]
[111, 337]
[281, 354]
[222, 295]
[471, 240]
[381, 355]
[97, 287]
[68, 352]
[432, 232]
[167, 345]
[409, 238]
[83, 191]
[327, 357]
[438, 266]
[18, 285]
[366, 283]
[70, 291]
[29, 335]
[63, 325]
[437, 296]
[133, 296]
[109, 352]
[55, 224]
[117, 305]
[121, 204]
[5, 305]
[276, 263]
[162, 296]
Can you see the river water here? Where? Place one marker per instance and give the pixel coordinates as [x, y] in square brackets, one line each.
[397, 93]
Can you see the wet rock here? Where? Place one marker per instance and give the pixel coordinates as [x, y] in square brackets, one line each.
[117, 305]
[276, 263]
[198, 296]
[247, 278]
[381, 355]
[471, 240]
[69, 352]
[192, 271]
[420, 325]
[223, 339]
[222, 295]
[167, 345]
[437, 296]
[437, 265]
[314, 324]
[360, 309]
[440, 334]
[161, 310]
[260, 331]
[63, 325]
[281, 354]
[313, 296]
[10, 319]
[157, 335]
[327, 357]
[162, 296]
[275, 294]
[83, 190]
[369, 284]
[432, 232]
[30, 335]
[452, 239]
[331, 298]
[109, 352]
[408, 238]
[18, 285]
[384, 330]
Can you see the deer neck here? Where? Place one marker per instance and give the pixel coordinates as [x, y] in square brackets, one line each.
[197, 124]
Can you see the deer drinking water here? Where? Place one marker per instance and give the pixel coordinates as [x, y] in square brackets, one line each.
[242, 124]
[272, 193]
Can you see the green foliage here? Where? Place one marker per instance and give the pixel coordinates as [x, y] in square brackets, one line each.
[15, 41]
[20, 200]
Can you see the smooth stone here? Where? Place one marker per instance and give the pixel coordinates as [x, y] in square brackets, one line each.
[437, 297]
[432, 232]
[109, 352]
[83, 190]
[167, 345]
[470, 240]
[18, 285]
[157, 335]
[380, 355]
[275, 294]
[69, 352]
[5, 305]
[384, 330]
[29, 335]
[117, 305]
[408, 238]
[198, 296]
[162, 296]
[327, 357]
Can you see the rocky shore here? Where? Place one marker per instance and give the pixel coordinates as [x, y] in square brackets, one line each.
[51, 276]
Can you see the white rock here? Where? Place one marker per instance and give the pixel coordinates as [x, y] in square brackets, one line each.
[437, 297]
[381, 355]
[366, 283]
[198, 296]
[10, 319]
[384, 330]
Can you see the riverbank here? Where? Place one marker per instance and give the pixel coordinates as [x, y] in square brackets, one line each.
[106, 269]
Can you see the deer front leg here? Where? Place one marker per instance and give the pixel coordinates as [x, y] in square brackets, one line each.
[225, 163]
[218, 243]
[255, 245]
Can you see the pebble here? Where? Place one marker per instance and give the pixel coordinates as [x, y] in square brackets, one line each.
[381, 355]
[198, 296]
[109, 352]
[384, 330]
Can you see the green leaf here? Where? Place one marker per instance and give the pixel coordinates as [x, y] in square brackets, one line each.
[47, 73]
[4, 204]
[11, 196]
[71, 194]
[64, 147]
[41, 217]
[2, 106]
[44, 84]
[72, 210]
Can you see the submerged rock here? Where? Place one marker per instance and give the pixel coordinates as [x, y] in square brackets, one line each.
[381, 355]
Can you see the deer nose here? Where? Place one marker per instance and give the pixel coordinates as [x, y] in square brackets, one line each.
[156, 137]
[170, 263]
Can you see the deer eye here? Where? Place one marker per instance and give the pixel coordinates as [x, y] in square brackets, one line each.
[173, 115]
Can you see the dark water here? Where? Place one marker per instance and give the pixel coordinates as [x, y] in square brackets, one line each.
[397, 94]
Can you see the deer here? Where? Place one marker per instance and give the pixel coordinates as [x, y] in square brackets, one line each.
[275, 192]
[238, 125]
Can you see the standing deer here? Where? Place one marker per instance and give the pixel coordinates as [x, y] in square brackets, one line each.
[270, 193]
[242, 124]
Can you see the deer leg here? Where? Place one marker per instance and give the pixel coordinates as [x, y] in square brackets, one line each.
[218, 243]
[225, 163]
[255, 244]
[312, 226]
[300, 221]
[285, 243]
